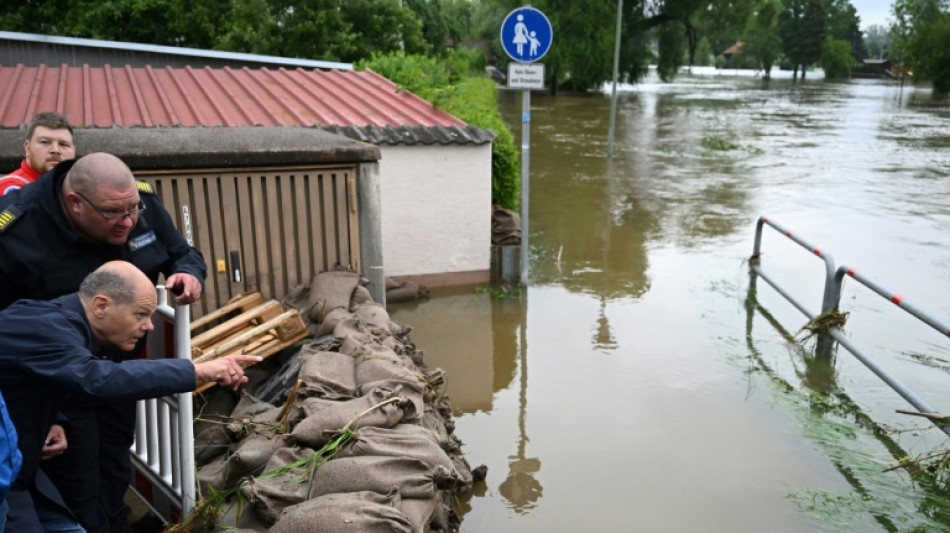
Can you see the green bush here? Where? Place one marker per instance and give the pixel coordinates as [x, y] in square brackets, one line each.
[472, 99]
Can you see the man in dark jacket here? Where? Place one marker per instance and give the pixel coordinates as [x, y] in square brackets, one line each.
[53, 233]
[40, 366]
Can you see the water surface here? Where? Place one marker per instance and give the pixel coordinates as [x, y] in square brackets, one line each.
[635, 385]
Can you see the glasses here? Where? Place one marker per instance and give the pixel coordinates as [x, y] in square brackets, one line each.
[111, 214]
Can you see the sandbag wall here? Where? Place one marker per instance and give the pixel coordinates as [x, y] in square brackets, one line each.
[400, 470]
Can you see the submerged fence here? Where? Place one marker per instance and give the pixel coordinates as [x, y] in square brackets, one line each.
[831, 298]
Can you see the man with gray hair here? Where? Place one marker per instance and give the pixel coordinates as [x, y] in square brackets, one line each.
[73, 219]
[41, 366]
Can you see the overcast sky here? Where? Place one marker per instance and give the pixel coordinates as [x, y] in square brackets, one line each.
[872, 11]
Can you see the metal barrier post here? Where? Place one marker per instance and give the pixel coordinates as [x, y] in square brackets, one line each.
[834, 282]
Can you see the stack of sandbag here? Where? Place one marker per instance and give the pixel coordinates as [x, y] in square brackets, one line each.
[400, 470]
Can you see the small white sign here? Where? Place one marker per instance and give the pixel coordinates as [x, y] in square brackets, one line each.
[525, 76]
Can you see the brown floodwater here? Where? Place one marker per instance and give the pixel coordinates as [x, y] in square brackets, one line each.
[635, 386]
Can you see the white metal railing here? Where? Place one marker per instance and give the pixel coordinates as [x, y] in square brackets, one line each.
[163, 453]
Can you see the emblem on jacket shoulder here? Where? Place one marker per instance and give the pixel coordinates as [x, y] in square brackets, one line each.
[144, 187]
[8, 217]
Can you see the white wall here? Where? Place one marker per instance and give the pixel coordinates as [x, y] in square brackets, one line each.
[436, 208]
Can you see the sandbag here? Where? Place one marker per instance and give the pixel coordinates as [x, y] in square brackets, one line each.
[211, 443]
[330, 321]
[272, 495]
[403, 440]
[375, 369]
[323, 418]
[355, 512]
[412, 477]
[330, 375]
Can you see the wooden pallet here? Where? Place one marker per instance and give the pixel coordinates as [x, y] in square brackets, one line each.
[246, 324]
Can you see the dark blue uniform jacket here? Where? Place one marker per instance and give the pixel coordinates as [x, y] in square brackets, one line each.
[47, 351]
[42, 256]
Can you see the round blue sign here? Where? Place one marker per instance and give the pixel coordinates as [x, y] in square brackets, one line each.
[526, 34]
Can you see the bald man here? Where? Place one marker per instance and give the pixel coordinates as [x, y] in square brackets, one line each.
[39, 366]
[76, 217]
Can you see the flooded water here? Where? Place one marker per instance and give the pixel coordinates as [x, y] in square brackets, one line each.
[635, 385]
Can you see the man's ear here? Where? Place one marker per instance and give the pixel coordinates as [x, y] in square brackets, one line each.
[100, 305]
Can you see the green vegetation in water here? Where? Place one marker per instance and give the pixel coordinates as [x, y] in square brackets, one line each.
[887, 489]
[502, 292]
[713, 143]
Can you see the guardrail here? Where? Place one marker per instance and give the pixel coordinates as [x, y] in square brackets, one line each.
[831, 298]
[163, 455]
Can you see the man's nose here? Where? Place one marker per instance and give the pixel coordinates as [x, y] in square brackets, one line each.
[148, 325]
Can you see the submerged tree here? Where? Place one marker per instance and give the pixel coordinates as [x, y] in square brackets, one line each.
[922, 28]
[802, 28]
[762, 41]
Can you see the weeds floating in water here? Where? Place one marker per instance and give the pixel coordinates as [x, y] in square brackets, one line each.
[713, 143]
[500, 293]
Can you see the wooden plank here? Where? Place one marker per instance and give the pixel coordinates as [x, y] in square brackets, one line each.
[353, 223]
[276, 240]
[243, 302]
[329, 221]
[201, 215]
[231, 241]
[340, 210]
[304, 235]
[315, 212]
[290, 251]
[265, 273]
[288, 325]
[267, 311]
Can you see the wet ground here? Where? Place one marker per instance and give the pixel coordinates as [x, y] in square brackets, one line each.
[635, 386]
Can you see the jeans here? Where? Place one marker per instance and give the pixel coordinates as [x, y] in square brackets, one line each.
[53, 518]
[3, 514]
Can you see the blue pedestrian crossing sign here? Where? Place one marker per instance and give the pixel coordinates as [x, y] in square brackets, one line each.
[526, 34]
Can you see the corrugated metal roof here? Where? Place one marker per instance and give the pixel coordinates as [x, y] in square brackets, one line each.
[360, 104]
[45, 45]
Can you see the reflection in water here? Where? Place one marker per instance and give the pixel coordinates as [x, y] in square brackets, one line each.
[521, 488]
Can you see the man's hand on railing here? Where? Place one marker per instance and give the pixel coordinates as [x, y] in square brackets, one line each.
[227, 371]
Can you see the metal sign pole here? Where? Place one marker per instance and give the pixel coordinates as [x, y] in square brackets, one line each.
[525, 182]
[526, 35]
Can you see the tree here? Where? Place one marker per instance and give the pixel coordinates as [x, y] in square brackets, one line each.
[802, 28]
[876, 41]
[762, 41]
[844, 24]
[836, 58]
[920, 35]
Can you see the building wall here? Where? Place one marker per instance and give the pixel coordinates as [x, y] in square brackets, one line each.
[436, 213]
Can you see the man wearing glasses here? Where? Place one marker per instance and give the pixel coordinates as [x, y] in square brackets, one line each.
[76, 217]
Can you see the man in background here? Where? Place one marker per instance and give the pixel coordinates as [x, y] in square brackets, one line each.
[49, 140]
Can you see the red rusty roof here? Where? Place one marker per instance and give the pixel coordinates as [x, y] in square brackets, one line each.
[106, 97]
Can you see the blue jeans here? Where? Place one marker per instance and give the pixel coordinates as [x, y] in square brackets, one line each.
[53, 518]
[3, 514]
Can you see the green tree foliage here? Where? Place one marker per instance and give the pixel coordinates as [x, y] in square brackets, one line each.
[802, 27]
[922, 39]
[704, 53]
[876, 41]
[474, 100]
[836, 58]
[762, 41]
[844, 25]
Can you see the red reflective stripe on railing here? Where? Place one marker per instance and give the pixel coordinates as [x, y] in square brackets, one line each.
[897, 299]
[818, 251]
[851, 271]
[788, 233]
[765, 219]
